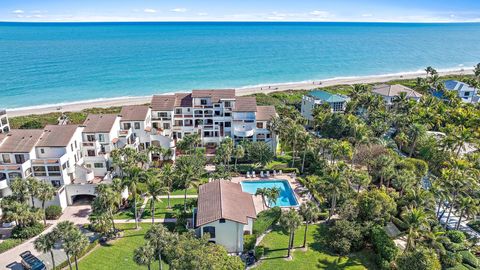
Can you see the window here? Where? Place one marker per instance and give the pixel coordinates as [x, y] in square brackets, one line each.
[162, 114]
[91, 138]
[54, 171]
[6, 158]
[179, 123]
[71, 146]
[56, 183]
[203, 101]
[228, 124]
[210, 230]
[127, 125]
[76, 146]
[222, 220]
[227, 114]
[28, 172]
[91, 153]
[98, 165]
[3, 176]
[39, 171]
[88, 165]
[166, 125]
[137, 125]
[42, 150]
[467, 94]
[101, 137]
[228, 104]
[178, 111]
[259, 124]
[4, 121]
[64, 166]
[19, 159]
[14, 175]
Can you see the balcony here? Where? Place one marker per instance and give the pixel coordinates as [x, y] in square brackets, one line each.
[3, 112]
[244, 130]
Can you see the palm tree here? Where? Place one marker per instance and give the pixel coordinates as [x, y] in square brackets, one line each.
[167, 176]
[33, 188]
[188, 169]
[334, 184]
[46, 243]
[19, 189]
[262, 192]
[461, 137]
[272, 195]
[75, 243]
[62, 230]
[144, 255]
[463, 204]
[45, 192]
[106, 202]
[293, 136]
[417, 221]
[307, 144]
[159, 238]
[238, 153]
[134, 175]
[290, 221]
[361, 179]
[154, 189]
[416, 131]
[310, 213]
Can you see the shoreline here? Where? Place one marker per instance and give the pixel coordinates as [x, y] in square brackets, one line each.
[242, 91]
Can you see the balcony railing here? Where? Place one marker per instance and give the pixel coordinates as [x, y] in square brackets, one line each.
[3, 111]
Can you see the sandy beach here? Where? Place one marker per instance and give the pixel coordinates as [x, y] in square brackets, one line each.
[306, 85]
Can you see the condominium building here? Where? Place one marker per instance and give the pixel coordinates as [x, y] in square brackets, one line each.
[137, 118]
[4, 124]
[214, 114]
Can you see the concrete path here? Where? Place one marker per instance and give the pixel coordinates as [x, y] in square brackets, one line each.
[11, 258]
[177, 196]
[147, 220]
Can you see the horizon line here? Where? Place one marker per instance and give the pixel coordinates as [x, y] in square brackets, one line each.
[244, 21]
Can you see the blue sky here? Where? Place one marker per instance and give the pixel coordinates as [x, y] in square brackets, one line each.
[241, 10]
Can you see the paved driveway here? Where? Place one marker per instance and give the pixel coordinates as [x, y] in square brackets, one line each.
[77, 214]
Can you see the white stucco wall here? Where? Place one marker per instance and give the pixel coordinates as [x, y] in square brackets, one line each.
[228, 234]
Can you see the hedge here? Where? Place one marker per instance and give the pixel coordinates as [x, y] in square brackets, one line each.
[27, 232]
[458, 267]
[456, 236]
[249, 241]
[266, 219]
[469, 258]
[400, 224]
[9, 244]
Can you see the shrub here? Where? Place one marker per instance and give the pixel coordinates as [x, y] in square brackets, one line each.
[475, 225]
[458, 267]
[323, 216]
[249, 241]
[456, 236]
[27, 232]
[450, 259]
[259, 251]
[469, 258]
[53, 212]
[383, 245]
[419, 259]
[345, 236]
[454, 247]
[266, 219]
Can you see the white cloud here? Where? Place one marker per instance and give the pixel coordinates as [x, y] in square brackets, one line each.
[150, 10]
[180, 10]
[18, 11]
[320, 13]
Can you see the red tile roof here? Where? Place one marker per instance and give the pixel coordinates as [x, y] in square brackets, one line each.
[163, 103]
[20, 140]
[216, 95]
[224, 200]
[102, 123]
[245, 104]
[265, 113]
[57, 135]
[134, 113]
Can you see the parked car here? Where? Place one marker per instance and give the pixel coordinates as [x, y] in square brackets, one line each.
[31, 262]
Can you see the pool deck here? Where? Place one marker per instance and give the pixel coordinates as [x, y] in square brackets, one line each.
[294, 184]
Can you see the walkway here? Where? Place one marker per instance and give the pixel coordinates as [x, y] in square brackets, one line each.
[76, 214]
[452, 224]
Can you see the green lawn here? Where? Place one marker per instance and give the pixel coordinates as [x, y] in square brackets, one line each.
[118, 254]
[161, 210]
[316, 257]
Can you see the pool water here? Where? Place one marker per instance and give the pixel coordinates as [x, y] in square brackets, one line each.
[286, 198]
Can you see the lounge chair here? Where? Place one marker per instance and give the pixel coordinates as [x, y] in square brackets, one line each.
[248, 174]
[280, 172]
[268, 174]
[253, 174]
[274, 173]
[261, 174]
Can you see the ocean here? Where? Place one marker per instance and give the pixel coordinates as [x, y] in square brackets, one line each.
[55, 63]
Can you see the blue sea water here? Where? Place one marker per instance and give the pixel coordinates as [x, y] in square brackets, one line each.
[286, 197]
[52, 63]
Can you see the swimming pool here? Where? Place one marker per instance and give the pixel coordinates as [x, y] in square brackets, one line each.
[286, 198]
